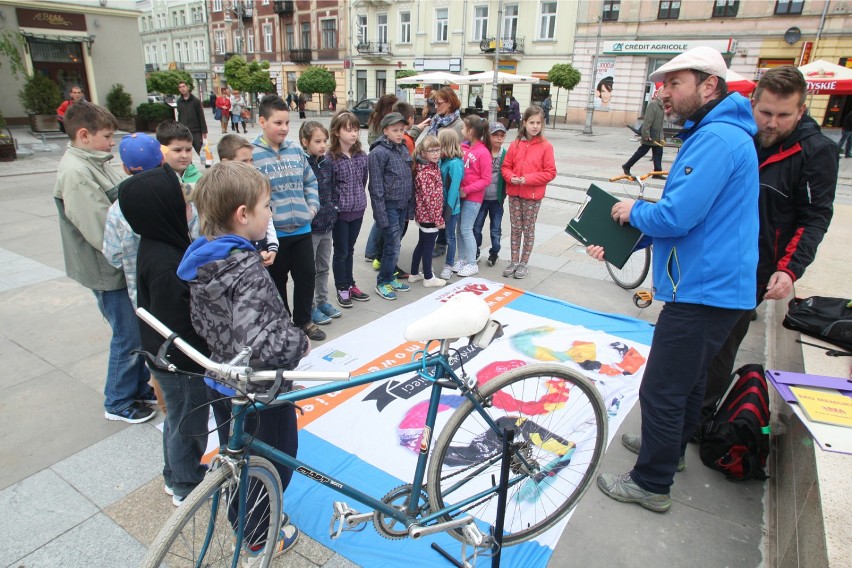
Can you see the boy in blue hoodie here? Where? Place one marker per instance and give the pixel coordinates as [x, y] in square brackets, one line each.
[234, 303]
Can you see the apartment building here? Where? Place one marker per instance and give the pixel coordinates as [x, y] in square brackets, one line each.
[632, 38]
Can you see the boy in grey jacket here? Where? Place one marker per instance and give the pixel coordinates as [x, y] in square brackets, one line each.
[85, 189]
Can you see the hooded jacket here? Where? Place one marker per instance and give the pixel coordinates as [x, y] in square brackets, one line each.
[428, 195]
[329, 196]
[798, 178]
[391, 177]
[534, 161]
[154, 206]
[477, 170]
[235, 304]
[452, 172]
[704, 228]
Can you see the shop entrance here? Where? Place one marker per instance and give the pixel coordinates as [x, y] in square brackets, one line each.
[62, 62]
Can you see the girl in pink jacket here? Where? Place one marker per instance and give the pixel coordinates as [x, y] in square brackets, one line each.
[476, 156]
[528, 167]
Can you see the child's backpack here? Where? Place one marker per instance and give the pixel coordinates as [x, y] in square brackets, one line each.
[736, 440]
[829, 319]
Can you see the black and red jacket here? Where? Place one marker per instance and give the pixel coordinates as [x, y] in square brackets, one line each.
[797, 183]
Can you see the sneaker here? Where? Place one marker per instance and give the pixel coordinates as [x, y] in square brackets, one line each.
[319, 318]
[313, 332]
[412, 278]
[477, 255]
[447, 272]
[440, 250]
[358, 295]
[150, 399]
[634, 443]
[386, 291]
[399, 286]
[369, 258]
[288, 536]
[510, 270]
[433, 282]
[459, 264]
[329, 310]
[377, 264]
[469, 270]
[626, 170]
[134, 414]
[400, 273]
[658, 176]
[623, 488]
[521, 271]
[492, 259]
[177, 500]
[344, 299]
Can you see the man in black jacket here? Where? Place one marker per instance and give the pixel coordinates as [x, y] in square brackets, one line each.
[798, 177]
[191, 115]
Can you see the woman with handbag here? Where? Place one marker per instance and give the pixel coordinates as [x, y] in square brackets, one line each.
[238, 105]
[223, 109]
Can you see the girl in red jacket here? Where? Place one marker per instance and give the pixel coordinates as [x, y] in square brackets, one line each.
[428, 210]
[528, 167]
[476, 156]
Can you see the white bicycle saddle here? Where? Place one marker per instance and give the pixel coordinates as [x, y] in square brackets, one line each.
[462, 315]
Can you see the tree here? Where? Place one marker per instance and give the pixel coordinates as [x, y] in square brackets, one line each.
[248, 77]
[166, 82]
[11, 45]
[316, 79]
[402, 74]
[562, 76]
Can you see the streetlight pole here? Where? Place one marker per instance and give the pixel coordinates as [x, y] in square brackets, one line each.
[492, 106]
[590, 107]
[349, 57]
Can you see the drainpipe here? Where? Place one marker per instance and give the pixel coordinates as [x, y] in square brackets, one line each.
[821, 25]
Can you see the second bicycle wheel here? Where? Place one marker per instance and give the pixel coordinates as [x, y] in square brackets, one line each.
[561, 425]
[634, 271]
[202, 530]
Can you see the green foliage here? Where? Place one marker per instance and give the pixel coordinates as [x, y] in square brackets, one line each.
[119, 102]
[248, 77]
[402, 74]
[40, 95]
[155, 112]
[563, 76]
[11, 45]
[316, 79]
[2, 123]
[166, 82]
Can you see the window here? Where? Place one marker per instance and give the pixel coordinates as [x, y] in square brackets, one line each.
[186, 51]
[198, 48]
[725, 8]
[174, 19]
[219, 40]
[217, 5]
[182, 17]
[362, 29]
[164, 51]
[510, 21]
[360, 84]
[382, 28]
[238, 42]
[267, 38]
[250, 40]
[306, 35]
[610, 10]
[480, 22]
[441, 24]
[329, 34]
[547, 23]
[265, 2]
[381, 83]
[784, 7]
[405, 27]
[668, 10]
[290, 37]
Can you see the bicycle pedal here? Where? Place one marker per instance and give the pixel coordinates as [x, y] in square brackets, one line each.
[345, 518]
[642, 299]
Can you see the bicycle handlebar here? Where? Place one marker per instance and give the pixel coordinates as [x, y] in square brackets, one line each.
[640, 178]
[239, 373]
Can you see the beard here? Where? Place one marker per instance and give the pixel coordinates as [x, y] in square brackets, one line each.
[767, 139]
[685, 108]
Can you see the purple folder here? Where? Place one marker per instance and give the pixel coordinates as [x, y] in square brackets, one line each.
[783, 380]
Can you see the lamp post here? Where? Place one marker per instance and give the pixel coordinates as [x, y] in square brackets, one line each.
[590, 108]
[492, 106]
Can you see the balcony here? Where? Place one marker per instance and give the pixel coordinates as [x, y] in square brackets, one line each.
[374, 49]
[299, 55]
[284, 7]
[244, 11]
[507, 45]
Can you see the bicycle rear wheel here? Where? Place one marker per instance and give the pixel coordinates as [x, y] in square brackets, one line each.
[560, 423]
[201, 532]
[634, 271]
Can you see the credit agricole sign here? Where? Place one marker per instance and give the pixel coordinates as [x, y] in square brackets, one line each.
[647, 47]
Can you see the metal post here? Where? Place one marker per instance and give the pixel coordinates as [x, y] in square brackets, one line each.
[590, 108]
[492, 106]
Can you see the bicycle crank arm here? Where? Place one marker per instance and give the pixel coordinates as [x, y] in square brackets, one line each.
[416, 531]
[345, 518]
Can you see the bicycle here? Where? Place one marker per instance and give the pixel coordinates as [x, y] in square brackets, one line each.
[557, 413]
[635, 270]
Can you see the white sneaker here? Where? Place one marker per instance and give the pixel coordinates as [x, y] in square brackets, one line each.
[458, 265]
[415, 277]
[434, 282]
[447, 272]
[469, 270]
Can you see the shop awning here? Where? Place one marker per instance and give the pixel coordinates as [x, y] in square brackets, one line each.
[826, 78]
[487, 78]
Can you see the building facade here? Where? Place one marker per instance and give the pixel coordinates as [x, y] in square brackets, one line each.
[632, 38]
[175, 36]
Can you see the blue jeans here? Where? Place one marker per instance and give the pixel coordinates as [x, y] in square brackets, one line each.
[467, 244]
[450, 232]
[343, 235]
[127, 376]
[392, 235]
[184, 430]
[846, 138]
[494, 209]
[372, 249]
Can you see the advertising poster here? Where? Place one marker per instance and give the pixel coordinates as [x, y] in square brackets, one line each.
[604, 79]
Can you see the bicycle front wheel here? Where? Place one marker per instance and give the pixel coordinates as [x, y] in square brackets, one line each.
[634, 271]
[560, 425]
[202, 531]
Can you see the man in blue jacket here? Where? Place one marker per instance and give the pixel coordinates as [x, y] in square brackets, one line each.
[704, 231]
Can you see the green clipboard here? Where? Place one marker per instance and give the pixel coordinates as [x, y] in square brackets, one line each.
[593, 225]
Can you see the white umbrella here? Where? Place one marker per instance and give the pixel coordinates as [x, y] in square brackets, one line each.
[435, 77]
[487, 78]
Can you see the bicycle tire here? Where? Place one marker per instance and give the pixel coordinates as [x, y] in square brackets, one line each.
[634, 271]
[579, 419]
[181, 541]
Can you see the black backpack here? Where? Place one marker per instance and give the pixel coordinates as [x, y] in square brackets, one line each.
[736, 439]
[829, 319]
